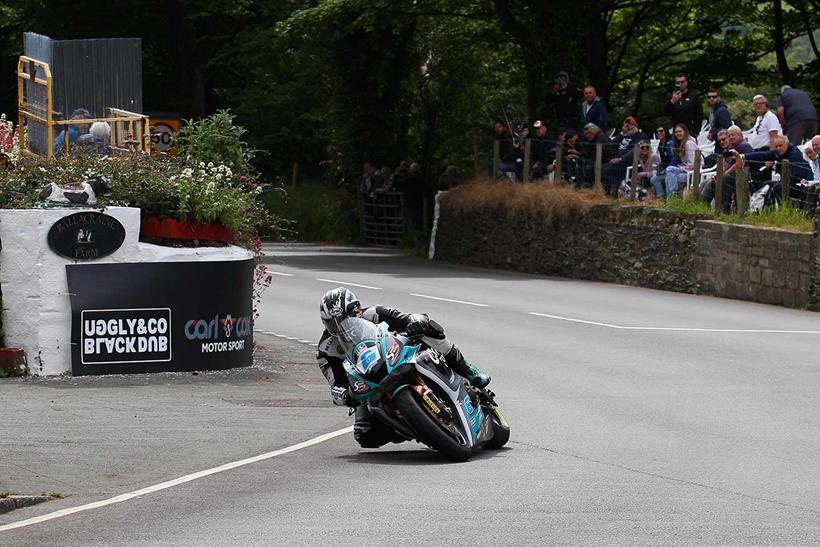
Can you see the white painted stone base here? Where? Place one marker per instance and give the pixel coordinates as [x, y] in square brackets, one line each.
[36, 306]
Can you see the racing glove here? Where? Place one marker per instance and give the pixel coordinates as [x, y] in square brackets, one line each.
[416, 324]
[341, 397]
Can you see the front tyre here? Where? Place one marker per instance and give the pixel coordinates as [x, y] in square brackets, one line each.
[428, 431]
[501, 429]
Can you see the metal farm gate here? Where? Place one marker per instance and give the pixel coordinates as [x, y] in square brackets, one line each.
[383, 219]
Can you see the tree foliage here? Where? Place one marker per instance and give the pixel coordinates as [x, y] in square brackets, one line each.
[386, 80]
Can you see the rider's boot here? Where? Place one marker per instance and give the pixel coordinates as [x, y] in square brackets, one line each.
[457, 362]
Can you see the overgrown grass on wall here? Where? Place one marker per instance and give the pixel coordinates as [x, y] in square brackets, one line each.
[318, 212]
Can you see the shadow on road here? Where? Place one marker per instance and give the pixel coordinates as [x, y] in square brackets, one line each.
[415, 457]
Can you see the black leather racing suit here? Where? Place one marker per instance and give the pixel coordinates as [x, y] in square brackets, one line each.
[368, 432]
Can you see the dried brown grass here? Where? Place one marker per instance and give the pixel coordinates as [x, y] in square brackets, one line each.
[542, 200]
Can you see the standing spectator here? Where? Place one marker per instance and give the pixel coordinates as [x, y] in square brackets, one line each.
[683, 150]
[368, 184]
[504, 137]
[797, 114]
[719, 117]
[684, 105]
[593, 136]
[614, 171]
[449, 179]
[593, 109]
[766, 126]
[566, 98]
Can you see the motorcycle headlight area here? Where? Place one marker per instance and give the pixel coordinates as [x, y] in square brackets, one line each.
[366, 357]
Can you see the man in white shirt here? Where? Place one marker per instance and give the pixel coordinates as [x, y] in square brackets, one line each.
[766, 125]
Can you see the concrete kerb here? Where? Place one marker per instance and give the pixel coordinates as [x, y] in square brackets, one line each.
[10, 503]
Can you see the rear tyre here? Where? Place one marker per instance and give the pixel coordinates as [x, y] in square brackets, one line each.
[501, 431]
[428, 430]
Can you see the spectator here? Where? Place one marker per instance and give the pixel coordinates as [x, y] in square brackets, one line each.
[734, 142]
[683, 161]
[810, 198]
[797, 114]
[684, 105]
[542, 150]
[571, 157]
[411, 184]
[74, 131]
[566, 98]
[507, 165]
[615, 170]
[593, 109]
[449, 179]
[368, 184]
[333, 165]
[766, 126]
[593, 136]
[648, 163]
[719, 117]
[664, 149]
[781, 150]
[96, 141]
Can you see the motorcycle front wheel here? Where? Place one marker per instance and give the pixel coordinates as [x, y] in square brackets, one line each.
[429, 431]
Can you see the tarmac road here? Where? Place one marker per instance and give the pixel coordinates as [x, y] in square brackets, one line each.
[638, 416]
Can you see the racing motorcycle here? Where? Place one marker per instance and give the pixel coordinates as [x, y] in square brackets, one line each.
[411, 389]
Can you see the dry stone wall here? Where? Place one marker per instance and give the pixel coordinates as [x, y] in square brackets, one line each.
[644, 247]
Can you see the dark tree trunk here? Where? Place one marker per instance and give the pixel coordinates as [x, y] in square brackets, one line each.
[780, 46]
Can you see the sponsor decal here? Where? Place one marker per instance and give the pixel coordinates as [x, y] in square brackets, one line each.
[125, 336]
[219, 333]
[360, 386]
[393, 352]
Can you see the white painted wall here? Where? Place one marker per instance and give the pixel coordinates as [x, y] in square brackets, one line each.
[36, 306]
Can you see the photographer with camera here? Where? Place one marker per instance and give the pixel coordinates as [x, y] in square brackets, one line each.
[684, 105]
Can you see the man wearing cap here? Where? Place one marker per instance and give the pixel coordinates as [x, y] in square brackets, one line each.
[615, 170]
[566, 99]
[74, 131]
[593, 109]
[541, 152]
[684, 106]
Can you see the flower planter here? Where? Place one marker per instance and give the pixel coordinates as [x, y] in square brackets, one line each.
[13, 361]
[178, 229]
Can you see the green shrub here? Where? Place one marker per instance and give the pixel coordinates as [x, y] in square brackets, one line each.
[218, 140]
[317, 211]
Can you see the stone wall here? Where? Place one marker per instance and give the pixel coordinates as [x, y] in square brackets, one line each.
[757, 264]
[644, 247]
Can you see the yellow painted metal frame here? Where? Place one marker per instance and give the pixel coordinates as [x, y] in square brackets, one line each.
[137, 138]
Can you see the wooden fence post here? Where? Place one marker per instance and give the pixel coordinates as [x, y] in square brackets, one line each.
[599, 160]
[295, 176]
[476, 158]
[496, 158]
[785, 178]
[742, 190]
[633, 183]
[527, 150]
[719, 186]
[696, 174]
[558, 176]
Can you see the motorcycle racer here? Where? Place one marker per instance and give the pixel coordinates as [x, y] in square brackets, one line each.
[340, 303]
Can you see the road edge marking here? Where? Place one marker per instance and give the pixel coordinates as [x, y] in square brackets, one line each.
[174, 482]
[449, 300]
[344, 283]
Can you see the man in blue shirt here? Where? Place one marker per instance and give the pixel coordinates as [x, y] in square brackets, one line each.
[74, 131]
[782, 150]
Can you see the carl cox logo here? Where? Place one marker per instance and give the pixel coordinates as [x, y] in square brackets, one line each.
[213, 331]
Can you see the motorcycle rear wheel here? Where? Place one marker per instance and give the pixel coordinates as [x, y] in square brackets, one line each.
[428, 430]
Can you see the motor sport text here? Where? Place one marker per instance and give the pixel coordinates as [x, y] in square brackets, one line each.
[219, 327]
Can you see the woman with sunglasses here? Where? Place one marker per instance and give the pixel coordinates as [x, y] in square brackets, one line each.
[648, 163]
[683, 161]
[664, 149]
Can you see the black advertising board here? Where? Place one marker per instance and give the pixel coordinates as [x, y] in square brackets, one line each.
[160, 316]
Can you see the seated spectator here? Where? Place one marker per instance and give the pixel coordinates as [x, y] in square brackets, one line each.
[593, 136]
[74, 131]
[615, 170]
[96, 141]
[781, 150]
[664, 149]
[648, 163]
[593, 109]
[810, 187]
[683, 153]
[571, 157]
[542, 150]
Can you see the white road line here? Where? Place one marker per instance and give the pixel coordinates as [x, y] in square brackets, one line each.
[684, 329]
[306, 341]
[279, 273]
[345, 283]
[174, 482]
[448, 300]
